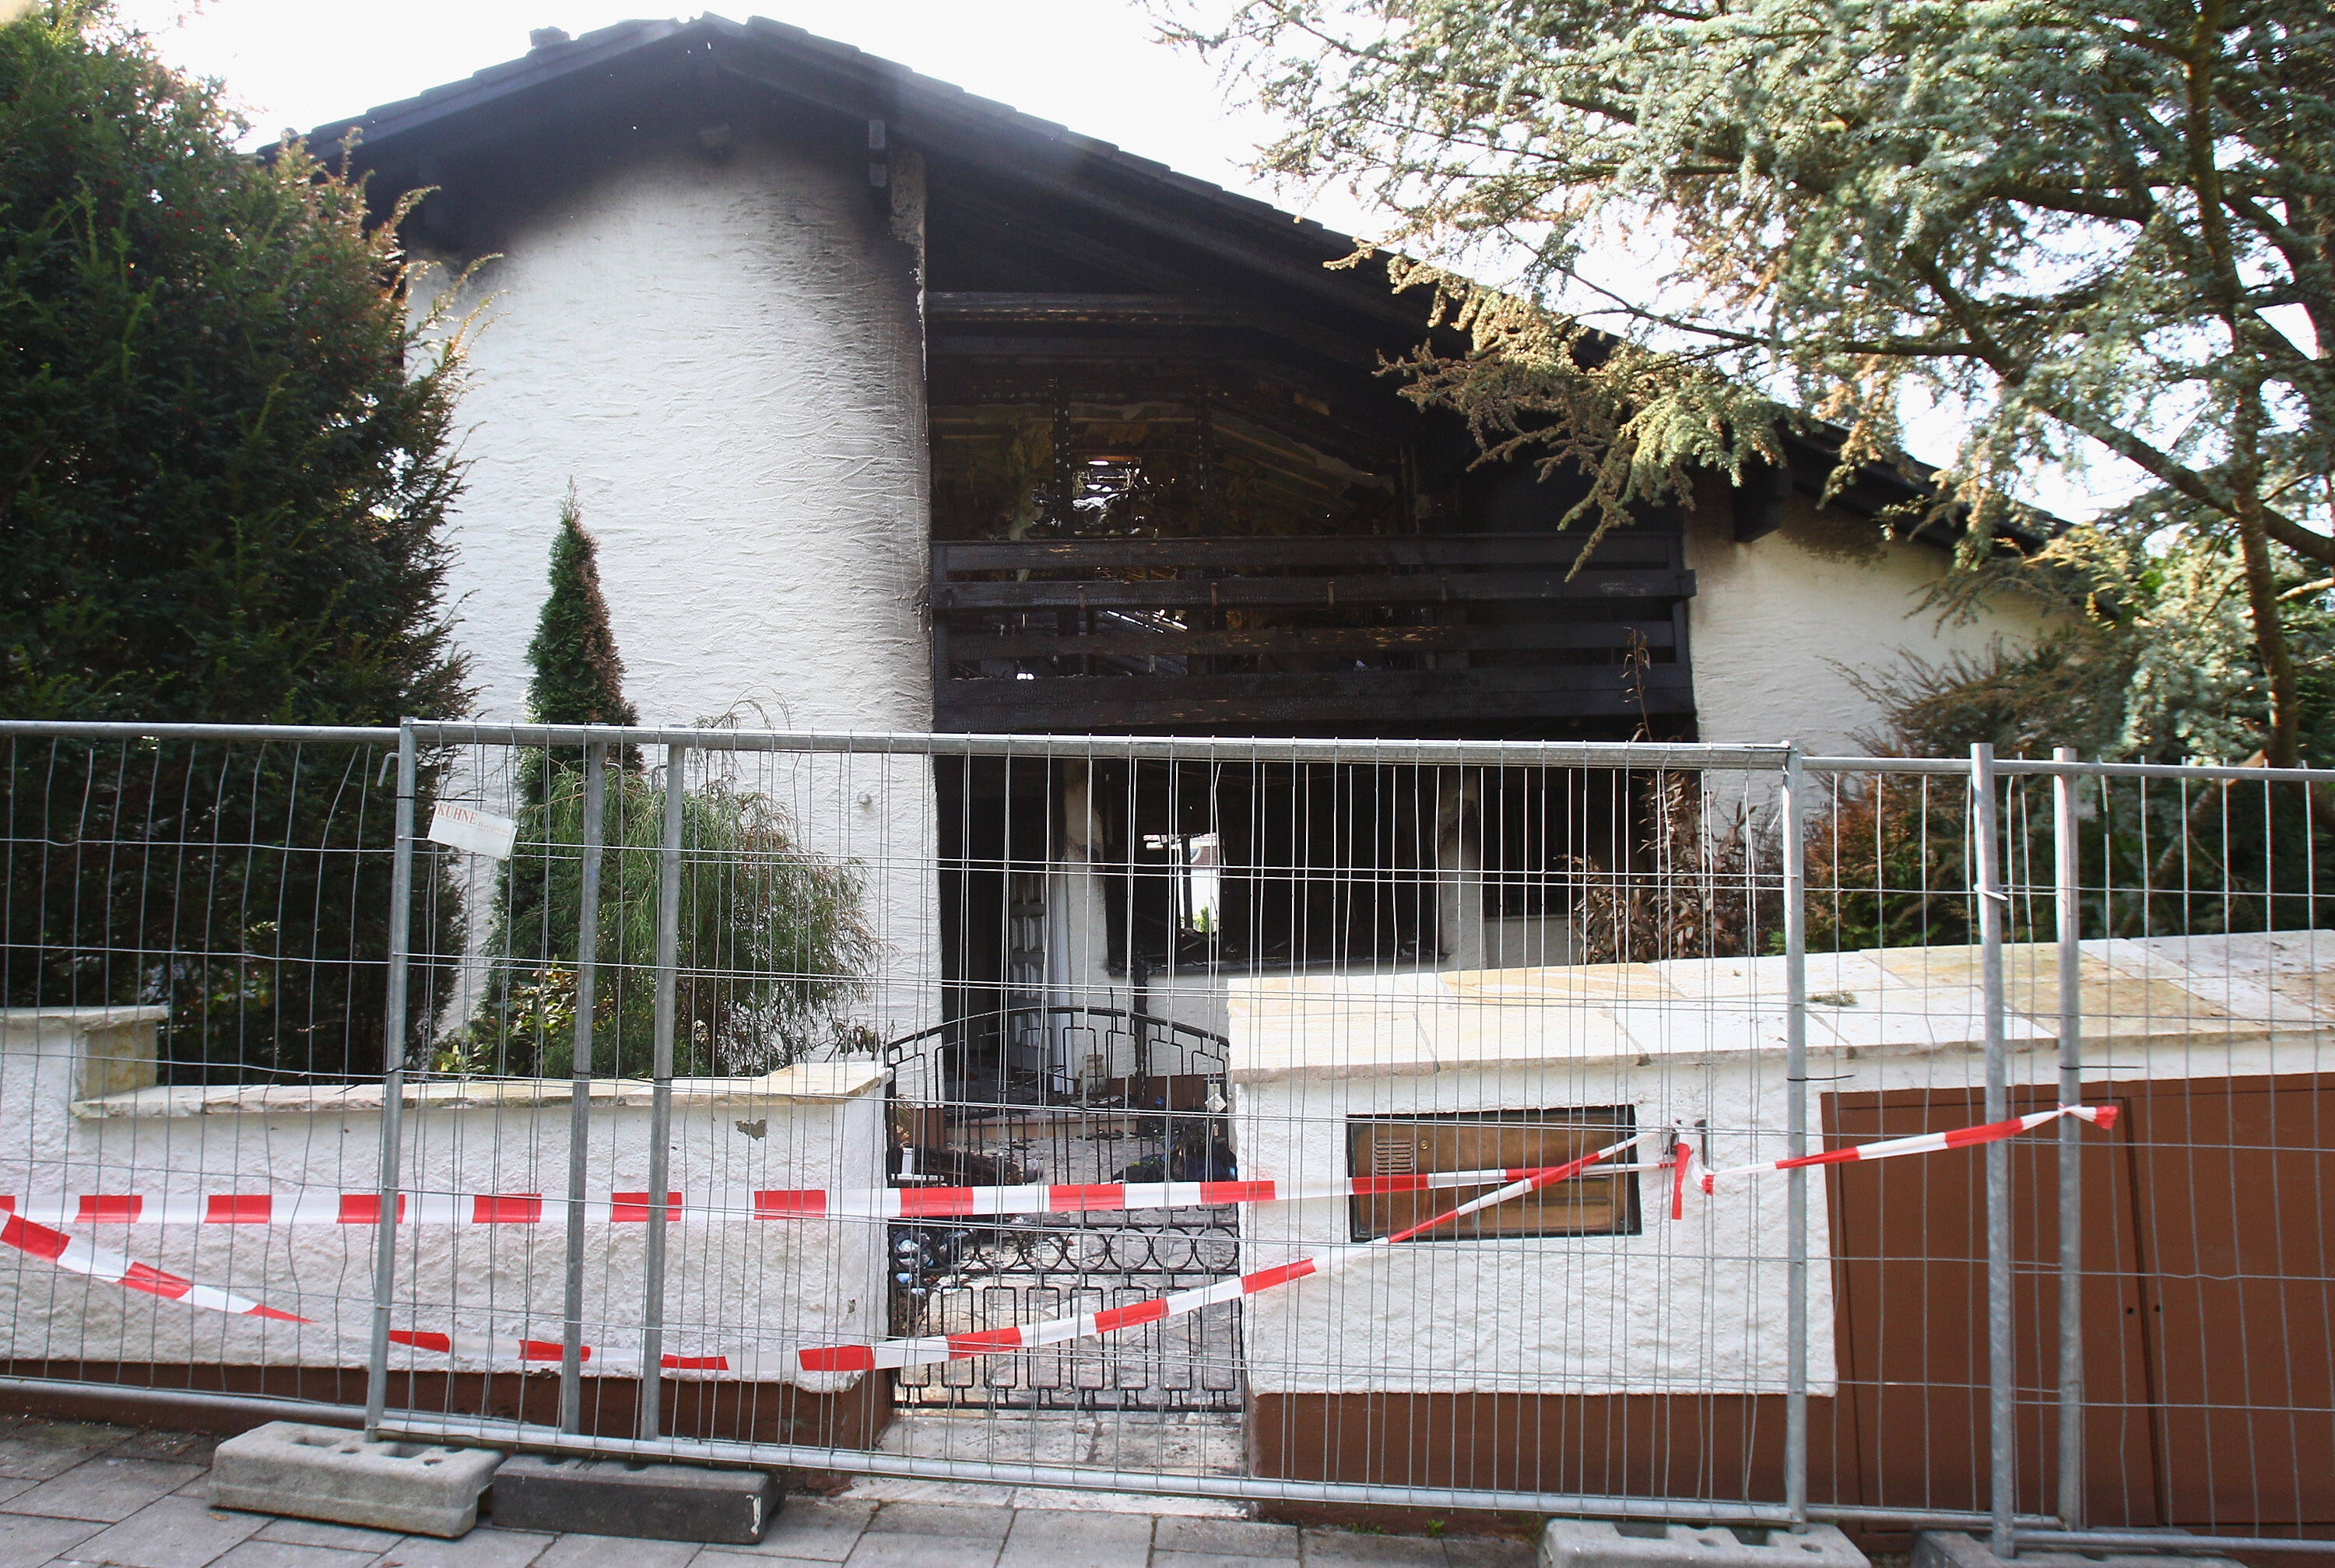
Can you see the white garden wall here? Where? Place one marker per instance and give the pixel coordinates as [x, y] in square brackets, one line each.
[1697, 1306]
[764, 1286]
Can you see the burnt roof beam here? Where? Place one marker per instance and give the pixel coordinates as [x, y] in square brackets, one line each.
[959, 204]
[1144, 309]
[970, 309]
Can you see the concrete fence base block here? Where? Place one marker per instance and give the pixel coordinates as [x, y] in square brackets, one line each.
[1601, 1543]
[619, 1498]
[326, 1473]
[1949, 1549]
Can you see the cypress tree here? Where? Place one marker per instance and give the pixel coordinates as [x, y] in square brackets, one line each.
[577, 678]
[580, 676]
[773, 939]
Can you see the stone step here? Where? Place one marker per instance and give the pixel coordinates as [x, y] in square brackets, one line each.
[624, 1497]
[1654, 1543]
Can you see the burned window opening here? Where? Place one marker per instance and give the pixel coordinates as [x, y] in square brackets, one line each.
[1356, 865]
[1252, 544]
[1385, 867]
[1494, 1141]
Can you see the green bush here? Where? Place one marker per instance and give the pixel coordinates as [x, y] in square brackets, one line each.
[1889, 857]
[226, 450]
[772, 942]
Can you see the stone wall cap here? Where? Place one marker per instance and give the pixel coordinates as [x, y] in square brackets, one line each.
[805, 1080]
[2244, 988]
[13, 1018]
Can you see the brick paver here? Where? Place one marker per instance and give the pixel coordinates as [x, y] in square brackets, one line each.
[77, 1495]
[102, 1488]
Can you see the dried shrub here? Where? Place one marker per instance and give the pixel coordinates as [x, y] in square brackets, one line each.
[1694, 888]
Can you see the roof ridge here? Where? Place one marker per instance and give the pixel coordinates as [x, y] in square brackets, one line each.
[619, 37]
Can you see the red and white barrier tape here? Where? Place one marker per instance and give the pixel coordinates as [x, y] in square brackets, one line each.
[78, 1257]
[722, 1205]
[931, 1349]
[1687, 1169]
[910, 1352]
[493, 1348]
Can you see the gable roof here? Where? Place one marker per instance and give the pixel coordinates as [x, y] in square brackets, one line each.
[572, 77]
[398, 144]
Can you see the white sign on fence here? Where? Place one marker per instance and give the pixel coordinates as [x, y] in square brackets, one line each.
[479, 832]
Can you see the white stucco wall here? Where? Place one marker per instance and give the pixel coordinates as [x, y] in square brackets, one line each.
[751, 1287]
[1688, 1307]
[725, 358]
[1775, 626]
[1695, 1307]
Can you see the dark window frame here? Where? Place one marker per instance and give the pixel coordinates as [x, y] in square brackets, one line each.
[1585, 1127]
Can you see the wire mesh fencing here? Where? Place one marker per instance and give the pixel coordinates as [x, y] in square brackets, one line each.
[2124, 1328]
[1447, 1123]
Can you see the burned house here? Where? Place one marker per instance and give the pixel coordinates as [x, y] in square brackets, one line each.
[1107, 619]
[895, 411]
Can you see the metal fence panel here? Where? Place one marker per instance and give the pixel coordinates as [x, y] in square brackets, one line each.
[1198, 1114]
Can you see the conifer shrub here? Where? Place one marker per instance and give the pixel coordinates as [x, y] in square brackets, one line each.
[773, 940]
[578, 675]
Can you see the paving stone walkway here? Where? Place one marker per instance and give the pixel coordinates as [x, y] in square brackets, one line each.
[113, 1497]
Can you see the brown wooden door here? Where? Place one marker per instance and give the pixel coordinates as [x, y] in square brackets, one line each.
[1909, 1280]
[2236, 1195]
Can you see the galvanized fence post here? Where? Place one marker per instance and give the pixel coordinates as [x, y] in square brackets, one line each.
[1795, 1074]
[668, 962]
[393, 1079]
[2002, 1390]
[2066, 865]
[579, 1100]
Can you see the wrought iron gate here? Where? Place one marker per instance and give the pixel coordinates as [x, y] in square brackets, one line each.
[997, 1123]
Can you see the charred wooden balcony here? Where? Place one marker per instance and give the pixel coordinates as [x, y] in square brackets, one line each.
[1493, 633]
